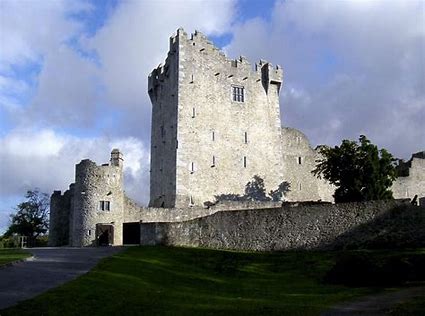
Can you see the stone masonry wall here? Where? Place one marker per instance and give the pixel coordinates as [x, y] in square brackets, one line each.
[136, 213]
[413, 184]
[214, 137]
[60, 208]
[299, 159]
[163, 92]
[297, 226]
[93, 184]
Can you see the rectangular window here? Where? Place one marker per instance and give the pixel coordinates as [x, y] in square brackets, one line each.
[238, 94]
[193, 112]
[299, 160]
[213, 136]
[89, 232]
[104, 206]
[213, 161]
[192, 167]
[246, 138]
[162, 132]
[244, 161]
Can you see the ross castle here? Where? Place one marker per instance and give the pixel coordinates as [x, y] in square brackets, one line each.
[215, 124]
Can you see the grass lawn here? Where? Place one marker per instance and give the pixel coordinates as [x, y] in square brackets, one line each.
[9, 255]
[189, 281]
[413, 306]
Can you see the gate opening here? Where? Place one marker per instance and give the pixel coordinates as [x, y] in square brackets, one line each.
[131, 233]
[105, 234]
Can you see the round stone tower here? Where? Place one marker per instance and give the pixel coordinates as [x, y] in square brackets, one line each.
[97, 211]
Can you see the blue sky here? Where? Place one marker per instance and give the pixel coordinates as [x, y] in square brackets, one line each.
[73, 77]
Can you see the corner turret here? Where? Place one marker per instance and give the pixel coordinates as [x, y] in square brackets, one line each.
[116, 158]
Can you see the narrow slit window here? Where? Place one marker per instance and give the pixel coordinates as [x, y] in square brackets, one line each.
[162, 131]
[191, 200]
[107, 206]
[238, 94]
[101, 205]
[213, 136]
[89, 232]
[193, 112]
[213, 161]
[192, 167]
[299, 160]
[244, 161]
[246, 138]
[299, 186]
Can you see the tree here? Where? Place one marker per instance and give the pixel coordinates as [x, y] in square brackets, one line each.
[360, 171]
[31, 217]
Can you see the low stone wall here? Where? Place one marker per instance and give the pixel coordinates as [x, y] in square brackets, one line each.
[135, 213]
[298, 226]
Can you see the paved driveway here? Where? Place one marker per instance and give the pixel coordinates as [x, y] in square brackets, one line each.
[49, 268]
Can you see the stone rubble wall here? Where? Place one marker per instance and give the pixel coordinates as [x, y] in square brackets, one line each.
[413, 184]
[297, 226]
[136, 213]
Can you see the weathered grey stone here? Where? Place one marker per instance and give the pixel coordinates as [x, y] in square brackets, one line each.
[197, 125]
[414, 182]
[376, 224]
[203, 143]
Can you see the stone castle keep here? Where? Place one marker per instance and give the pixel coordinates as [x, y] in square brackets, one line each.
[215, 124]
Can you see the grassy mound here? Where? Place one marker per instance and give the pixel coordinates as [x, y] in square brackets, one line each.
[183, 281]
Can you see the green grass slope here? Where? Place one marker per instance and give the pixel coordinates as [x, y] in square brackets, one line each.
[10, 255]
[184, 281]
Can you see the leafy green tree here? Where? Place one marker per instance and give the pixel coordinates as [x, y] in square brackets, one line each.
[32, 216]
[359, 170]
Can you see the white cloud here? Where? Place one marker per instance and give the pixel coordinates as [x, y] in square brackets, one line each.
[46, 159]
[360, 66]
[73, 89]
[31, 29]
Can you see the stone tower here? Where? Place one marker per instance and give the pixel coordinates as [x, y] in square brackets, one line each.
[215, 124]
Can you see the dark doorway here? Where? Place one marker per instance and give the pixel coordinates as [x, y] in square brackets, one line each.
[104, 234]
[131, 233]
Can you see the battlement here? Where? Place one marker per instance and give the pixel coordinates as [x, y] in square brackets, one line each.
[197, 43]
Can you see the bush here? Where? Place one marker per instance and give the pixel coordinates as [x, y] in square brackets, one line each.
[9, 242]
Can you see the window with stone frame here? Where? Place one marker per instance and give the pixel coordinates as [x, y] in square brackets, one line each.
[238, 94]
[104, 206]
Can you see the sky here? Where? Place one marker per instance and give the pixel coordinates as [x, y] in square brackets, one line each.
[73, 77]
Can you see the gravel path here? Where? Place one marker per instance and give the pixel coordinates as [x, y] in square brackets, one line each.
[48, 268]
[377, 304]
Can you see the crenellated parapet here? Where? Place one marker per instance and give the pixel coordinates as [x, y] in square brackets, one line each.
[183, 45]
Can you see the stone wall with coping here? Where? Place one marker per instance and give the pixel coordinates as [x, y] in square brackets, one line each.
[297, 226]
[136, 213]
